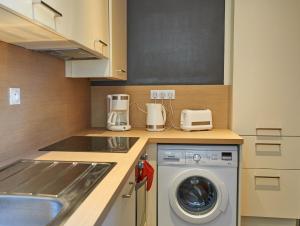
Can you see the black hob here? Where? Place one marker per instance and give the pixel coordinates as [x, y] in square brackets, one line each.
[93, 144]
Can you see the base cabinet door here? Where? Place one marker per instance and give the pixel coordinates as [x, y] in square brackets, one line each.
[261, 221]
[271, 193]
[122, 213]
[152, 193]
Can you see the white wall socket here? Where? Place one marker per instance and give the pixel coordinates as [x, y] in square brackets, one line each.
[14, 96]
[162, 94]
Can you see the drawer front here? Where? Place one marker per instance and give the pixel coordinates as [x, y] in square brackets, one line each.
[262, 221]
[271, 152]
[271, 193]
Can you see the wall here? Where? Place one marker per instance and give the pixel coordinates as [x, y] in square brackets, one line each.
[214, 97]
[177, 39]
[52, 106]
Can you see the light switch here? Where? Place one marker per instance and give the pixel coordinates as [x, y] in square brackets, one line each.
[14, 96]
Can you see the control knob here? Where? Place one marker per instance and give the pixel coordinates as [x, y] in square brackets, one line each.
[196, 157]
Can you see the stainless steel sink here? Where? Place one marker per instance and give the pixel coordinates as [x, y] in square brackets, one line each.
[40, 193]
[28, 211]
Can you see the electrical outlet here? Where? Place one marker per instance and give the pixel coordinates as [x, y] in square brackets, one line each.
[14, 96]
[162, 94]
[154, 94]
[170, 94]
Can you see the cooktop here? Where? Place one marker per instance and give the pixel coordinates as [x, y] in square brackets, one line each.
[93, 144]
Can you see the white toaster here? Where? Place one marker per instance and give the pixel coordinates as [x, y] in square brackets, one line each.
[196, 120]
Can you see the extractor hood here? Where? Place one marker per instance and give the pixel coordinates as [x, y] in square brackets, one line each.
[70, 54]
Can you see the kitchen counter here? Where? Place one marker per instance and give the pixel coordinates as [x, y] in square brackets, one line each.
[94, 208]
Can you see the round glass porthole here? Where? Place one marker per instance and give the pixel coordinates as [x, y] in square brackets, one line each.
[197, 195]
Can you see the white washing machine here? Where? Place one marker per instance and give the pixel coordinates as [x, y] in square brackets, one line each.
[197, 185]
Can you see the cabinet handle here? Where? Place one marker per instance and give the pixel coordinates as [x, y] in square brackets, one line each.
[144, 157]
[267, 182]
[102, 42]
[279, 144]
[267, 144]
[50, 8]
[268, 177]
[268, 129]
[127, 196]
[121, 70]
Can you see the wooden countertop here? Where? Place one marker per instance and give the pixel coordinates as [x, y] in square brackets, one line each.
[94, 208]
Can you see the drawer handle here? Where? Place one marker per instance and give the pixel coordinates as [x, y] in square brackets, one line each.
[268, 129]
[267, 182]
[267, 144]
[268, 177]
[50, 8]
[127, 196]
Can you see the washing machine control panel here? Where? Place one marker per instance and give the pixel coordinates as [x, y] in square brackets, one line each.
[210, 158]
[198, 155]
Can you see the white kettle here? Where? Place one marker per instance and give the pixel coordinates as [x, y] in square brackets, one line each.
[156, 117]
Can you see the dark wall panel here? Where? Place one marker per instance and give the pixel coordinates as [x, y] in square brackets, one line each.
[175, 42]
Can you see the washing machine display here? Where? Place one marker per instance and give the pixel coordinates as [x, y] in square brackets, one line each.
[201, 189]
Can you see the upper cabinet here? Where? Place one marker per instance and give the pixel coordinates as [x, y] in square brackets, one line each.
[94, 30]
[65, 28]
[115, 66]
[90, 24]
[23, 7]
[53, 14]
[266, 68]
[101, 27]
[118, 27]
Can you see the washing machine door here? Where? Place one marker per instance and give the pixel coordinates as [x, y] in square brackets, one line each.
[198, 196]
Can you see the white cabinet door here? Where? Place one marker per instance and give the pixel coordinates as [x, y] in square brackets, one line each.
[266, 67]
[24, 7]
[90, 24]
[118, 38]
[49, 13]
[151, 218]
[115, 66]
[271, 193]
[263, 221]
[122, 213]
[61, 24]
[85, 22]
[100, 26]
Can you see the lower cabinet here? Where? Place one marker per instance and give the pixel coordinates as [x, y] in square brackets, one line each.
[122, 213]
[260, 221]
[260, 152]
[151, 150]
[271, 193]
[270, 181]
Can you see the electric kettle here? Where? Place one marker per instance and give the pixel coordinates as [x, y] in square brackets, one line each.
[156, 117]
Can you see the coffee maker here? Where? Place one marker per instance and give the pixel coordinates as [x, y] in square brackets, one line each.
[118, 112]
